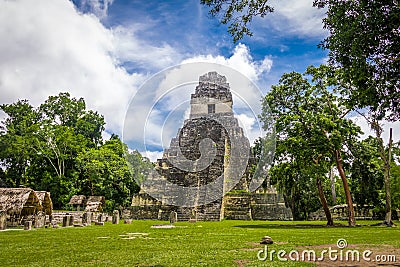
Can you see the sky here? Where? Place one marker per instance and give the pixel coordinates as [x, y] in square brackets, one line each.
[105, 50]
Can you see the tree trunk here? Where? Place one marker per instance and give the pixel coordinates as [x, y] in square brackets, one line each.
[388, 206]
[349, 201]
[332, 178]
[324, 203]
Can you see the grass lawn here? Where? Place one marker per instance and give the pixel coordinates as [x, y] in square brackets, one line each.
[226, 243]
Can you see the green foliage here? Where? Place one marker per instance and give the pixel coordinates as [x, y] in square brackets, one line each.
[364, 41]
[366, 172]
[58, 147]
[15, 140]
[238, 14]
[311, 129]
[139, 166]
[395, 177]
[104, 172]
[297, 187]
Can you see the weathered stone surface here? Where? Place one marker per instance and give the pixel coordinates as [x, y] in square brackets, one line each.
[3, 220]
[173, 217]
[87, 217]
[71, 220]
[40, 219]
[269, 206]
[266, 240]
[28, 225]
[162, 226]
[66, 221]
[237, 206]
[115, 217]
[99, 223]
[127, 221]
[211, 118]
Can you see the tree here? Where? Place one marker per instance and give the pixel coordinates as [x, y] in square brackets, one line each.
[310, 125]
[363, 41]
[16, 140]
[297, 187]
[39, 146]
[238, 14]
[139, 166]
[105, 171]
[395, 176]
[366, 171]
[64, 110]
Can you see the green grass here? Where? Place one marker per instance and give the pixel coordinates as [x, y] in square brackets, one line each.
[226, 243]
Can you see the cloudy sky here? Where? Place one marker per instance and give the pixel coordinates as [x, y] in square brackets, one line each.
[104, 50]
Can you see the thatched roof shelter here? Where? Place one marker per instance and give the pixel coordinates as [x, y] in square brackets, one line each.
[77, 200]
[19, 201]
[95, 203]
[45, 201]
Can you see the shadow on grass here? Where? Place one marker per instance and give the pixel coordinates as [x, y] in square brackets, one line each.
[288, 226]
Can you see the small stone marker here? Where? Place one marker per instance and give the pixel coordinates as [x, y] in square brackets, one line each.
[127, 221]
[173, 217]
[87, 218]
[115, 217]
[39, 220]
[71, 220]
[3, 220]
[99, 223]
[65, 221]
[28, 225]
[266, 240]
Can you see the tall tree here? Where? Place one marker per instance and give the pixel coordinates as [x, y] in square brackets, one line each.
[363, 42]
[16, 140]
[39, 146]
[297, 185]
[366, 171]
[310, 124]
[105, 171]
[395, 177]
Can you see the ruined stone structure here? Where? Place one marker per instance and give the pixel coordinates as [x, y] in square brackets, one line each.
[193, 162]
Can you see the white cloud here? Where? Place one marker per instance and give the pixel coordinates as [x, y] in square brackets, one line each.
[152, 155]
[49, 47]
[97, 7]
[129, 48]
[386, 125]
[241, 60]
[294, 17]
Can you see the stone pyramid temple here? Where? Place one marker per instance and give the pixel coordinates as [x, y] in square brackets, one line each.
[204, 175]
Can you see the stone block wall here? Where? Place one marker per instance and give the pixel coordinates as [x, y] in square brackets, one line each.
[269, 206]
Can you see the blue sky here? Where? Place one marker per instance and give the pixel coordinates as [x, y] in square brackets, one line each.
[104, 50]
[190, 30]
